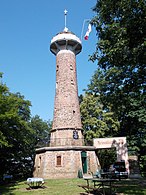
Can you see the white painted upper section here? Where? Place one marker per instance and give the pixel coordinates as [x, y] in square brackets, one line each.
[65, 51]
[65, 36]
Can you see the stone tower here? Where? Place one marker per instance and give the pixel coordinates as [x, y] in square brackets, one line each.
[66, 154]
[67, 128]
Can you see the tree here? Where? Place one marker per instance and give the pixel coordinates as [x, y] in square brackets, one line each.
[3, 91]
[97, 122]
[42, 131]
[19, 133]
[120, 78]
[14, 130]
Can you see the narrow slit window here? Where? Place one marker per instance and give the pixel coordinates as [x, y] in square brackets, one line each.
[71, 67]
[39, 164]
[58, 161]
[57, 68]
[56, 85]
[72, 82]
[73, 111]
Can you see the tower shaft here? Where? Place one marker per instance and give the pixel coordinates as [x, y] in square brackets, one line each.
[67, 127]
[66, 109]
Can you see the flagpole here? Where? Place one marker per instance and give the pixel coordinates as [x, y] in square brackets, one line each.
[65, 14]
[83, 28]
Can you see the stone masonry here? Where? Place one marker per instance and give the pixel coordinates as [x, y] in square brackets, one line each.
[67, 117]
[66, 154]
[71, 162]
[66, 110]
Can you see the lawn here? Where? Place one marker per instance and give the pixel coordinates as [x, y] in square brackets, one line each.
[70, 187]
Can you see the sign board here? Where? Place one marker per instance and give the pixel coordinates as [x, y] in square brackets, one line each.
[118, 142]
[108, 142]
[75, 134]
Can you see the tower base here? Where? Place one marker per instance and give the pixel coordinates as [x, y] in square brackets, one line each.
[65, 162]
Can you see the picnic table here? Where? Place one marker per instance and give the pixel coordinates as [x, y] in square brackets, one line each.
[98, 185]
[106, 175]
[35, 182]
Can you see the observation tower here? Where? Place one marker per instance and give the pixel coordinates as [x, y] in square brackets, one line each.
[66, 154]
[67, 127]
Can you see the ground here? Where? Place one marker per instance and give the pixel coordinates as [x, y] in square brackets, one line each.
[70, 187]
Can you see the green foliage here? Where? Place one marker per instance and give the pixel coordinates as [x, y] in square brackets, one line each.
[96, 121]
[19, 133]
[15, 133]
[121, 30]
[41, 129]
[121, 75]
[107, 157]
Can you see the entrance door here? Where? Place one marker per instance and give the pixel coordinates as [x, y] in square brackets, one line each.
[84, 161]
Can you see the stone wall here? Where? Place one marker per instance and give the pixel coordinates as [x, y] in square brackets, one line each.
[64, 137]
[66, 109]
[70, 162]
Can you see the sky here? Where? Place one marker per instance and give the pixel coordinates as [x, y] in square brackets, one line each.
[28, 66]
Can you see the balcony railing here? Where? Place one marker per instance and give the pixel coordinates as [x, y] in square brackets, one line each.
[63, 142]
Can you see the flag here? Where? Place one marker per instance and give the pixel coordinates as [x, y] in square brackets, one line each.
[88, 32]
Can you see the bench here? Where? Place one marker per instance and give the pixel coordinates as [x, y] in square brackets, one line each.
[35, 182]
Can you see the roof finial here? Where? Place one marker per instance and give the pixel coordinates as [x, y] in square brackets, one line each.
[65, 14]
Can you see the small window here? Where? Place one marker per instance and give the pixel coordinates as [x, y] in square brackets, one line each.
[39, 164]
[56, 85]
[57, 68]
[71, 67]
[72, 82]
[58, 161]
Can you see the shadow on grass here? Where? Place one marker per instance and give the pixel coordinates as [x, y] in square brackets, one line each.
[128, 187]
[7, 187]
[36, 187]
[131, 187]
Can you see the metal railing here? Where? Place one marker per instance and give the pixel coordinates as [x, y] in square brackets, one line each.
[63, 142]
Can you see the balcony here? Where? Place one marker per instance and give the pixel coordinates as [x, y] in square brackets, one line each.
[63, 142]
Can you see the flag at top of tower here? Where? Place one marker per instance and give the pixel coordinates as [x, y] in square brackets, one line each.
[88, 32]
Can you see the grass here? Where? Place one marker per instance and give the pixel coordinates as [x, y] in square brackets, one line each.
[69, 187]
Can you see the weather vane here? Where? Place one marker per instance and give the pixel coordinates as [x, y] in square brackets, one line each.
[65, 14]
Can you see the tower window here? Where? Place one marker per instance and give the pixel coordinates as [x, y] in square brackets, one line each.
[57, 68]
[73, 111]
[72, 82]
[71, 67]
[39, 164]
[56, 84]
[58, 160]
